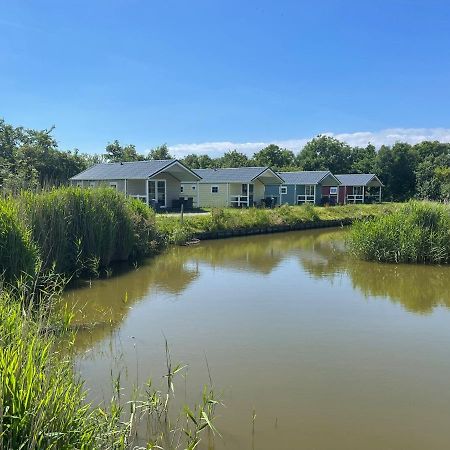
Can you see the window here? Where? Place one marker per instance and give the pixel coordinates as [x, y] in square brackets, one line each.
[214, 189]
[357, 190]
[333, 190]
[113, 185]
[309, 189]
[283, 190]
[182, 189]
[157, 192]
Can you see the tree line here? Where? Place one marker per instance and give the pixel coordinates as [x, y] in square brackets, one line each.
[31, 159]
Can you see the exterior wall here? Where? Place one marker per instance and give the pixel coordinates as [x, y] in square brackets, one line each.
[208, 199]
[289, 198]
[273, 190]
[190, 190]
[341, 194]
[136, 187]
[292, 192]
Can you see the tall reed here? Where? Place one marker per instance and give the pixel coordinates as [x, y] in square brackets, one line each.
[85, 229]
[418, 232]
[18, 253]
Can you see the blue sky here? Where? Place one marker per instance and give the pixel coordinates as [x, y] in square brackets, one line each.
[225, 73]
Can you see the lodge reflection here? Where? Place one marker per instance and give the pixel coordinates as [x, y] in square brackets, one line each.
[321, 254]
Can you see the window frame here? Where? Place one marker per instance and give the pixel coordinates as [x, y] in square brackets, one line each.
[216, 191]
[283, 190]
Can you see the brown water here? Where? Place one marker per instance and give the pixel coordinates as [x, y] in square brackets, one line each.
[330, 353]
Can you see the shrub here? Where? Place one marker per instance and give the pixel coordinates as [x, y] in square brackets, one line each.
[417, 232]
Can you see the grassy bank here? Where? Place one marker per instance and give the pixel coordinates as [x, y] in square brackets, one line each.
[417, 232]
[220, 219]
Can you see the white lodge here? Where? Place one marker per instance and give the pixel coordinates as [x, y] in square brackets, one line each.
[157, 182]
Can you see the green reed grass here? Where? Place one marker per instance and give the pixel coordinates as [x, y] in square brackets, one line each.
[417, 232]
[78, 230]
[18, 253]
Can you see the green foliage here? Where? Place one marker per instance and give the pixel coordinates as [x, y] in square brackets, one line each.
[18, 254]
[396, 168]
[326, 153]
[274, 156]
[161, 152]
[74, 230]
[417, 232]
[84, 229]
[30, 159]
[223, 219]
[200, 162]
[234, 158]
[43, 403]
[118, 153]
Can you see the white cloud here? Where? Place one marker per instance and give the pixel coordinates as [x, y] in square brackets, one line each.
[388, 137]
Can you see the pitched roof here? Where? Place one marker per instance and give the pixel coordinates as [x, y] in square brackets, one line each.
[304, 177]
[126, 170]
[357, 179]
[232, 175]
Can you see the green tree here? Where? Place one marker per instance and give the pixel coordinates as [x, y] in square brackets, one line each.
[274, 156]
[233, 158]
[160, 152]
[433, 160]
[363, 159]
[118, 153]
[194, 161]
[396, 166]
[326, 153]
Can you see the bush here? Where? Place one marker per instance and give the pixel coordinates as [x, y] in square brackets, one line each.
[417, 232]
[18, 254]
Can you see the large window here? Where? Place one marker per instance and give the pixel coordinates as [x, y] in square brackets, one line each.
[308, 196]
[358, 190]
[157, 192]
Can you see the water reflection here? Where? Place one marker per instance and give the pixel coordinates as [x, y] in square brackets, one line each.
[321, 254]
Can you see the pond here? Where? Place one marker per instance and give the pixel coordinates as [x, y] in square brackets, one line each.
[325, 352]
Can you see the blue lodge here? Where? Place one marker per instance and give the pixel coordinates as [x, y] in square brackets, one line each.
[304, 187]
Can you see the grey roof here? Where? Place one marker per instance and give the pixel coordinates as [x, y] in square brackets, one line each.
[356, 179]
[127, 170]
[304, 177]
[231, 175]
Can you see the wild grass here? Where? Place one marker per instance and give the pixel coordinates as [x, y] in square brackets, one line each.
[417, 232]
[222, 219]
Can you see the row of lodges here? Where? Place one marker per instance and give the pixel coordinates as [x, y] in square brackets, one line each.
[166, 184]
